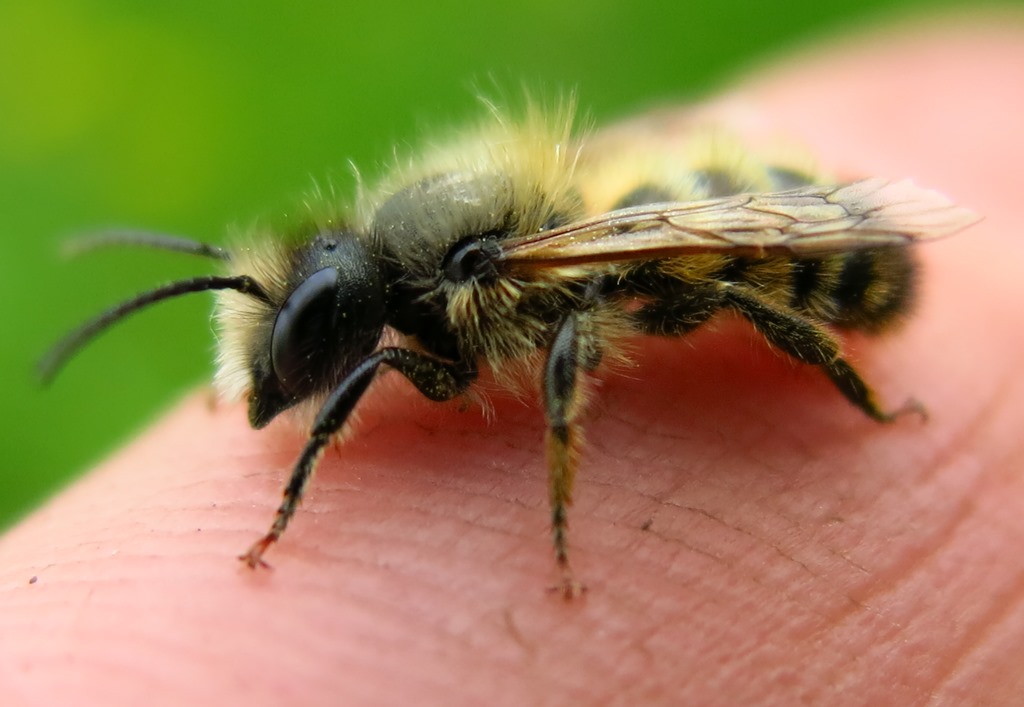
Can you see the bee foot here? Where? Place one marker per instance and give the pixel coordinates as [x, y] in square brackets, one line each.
[912, 406]
[569, 588]
[253, 557]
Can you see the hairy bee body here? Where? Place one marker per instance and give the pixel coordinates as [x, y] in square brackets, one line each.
[519, 247]
[865, 289]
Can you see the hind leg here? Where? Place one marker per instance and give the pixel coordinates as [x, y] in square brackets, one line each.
[811, 343]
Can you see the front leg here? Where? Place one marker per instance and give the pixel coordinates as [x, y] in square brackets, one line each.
[437, 380]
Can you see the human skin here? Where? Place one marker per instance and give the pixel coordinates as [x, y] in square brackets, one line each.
[746, 535]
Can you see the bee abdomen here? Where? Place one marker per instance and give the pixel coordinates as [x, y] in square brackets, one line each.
[644, 194]
[864, 289]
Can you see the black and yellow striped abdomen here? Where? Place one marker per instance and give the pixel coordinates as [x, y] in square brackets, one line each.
[866, 290]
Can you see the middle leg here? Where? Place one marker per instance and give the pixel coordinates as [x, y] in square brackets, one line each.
[574, 350]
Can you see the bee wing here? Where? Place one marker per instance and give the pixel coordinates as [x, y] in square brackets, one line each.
[808, 221]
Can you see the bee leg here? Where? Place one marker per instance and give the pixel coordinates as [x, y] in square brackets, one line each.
[673, 308]
[675, 315]
[562, 400]
[437, 380]
[810, 343]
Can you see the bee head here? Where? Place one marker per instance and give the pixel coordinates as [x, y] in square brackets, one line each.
[332, 317]
[301, 327]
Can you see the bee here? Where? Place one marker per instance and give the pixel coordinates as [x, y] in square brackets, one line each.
[538, 255]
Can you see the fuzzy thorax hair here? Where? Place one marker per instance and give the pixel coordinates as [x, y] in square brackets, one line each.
[531, 159]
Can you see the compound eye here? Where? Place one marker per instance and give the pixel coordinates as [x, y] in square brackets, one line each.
[304, 329]
[471, 259]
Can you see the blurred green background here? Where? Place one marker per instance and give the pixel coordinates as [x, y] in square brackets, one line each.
[189, 116]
